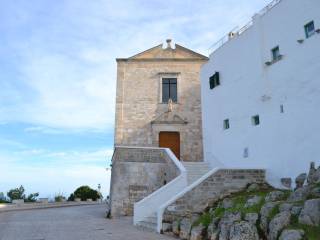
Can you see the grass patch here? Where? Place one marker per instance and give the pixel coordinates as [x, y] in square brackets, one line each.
[218, 212]
[239, 201]
[273, 212]
[205, 219]
[286, 194]
[311, 232]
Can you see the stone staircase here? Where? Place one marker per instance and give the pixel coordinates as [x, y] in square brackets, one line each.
[149, 224]
[194, 171]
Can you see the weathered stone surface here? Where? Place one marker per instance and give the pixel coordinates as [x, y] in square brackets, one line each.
[243, 231]
[139, 99]
[274, 196]
[167, 227]
[136, 173]
[279, 222]
[176, 227]
[217, 186]
[185, 228]
[296, 210]
[318, 175]
[299, 194]
[253, 187]
[212, 232]
[310, 213]
[292, 234]
[312, 175]
[197, 233]
[315, 192]
[227, 203]
[253, 201]
[225, 224]
[285, 207]
[251, 217]
[286, 182]
[264, 213]
[300, 180]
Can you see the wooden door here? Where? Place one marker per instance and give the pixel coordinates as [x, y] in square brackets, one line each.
[170, 140]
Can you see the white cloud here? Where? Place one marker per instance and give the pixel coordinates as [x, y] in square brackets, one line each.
[53, 180]
[67, 65]
[70, 157]
[59, 172]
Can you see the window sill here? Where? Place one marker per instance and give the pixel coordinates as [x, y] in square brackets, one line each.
[174, 103]
[274, 61]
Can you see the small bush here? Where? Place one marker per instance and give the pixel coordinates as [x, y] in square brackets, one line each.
[32, 197]
[71, 197]
[84, 193]
[16, 193]
[59, 197]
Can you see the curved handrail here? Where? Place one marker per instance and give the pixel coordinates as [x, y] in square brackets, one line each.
[162, 208]
[173, 157]
[149, 204]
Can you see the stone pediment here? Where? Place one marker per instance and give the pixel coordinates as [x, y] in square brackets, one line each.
[169, 117]
[168, 53]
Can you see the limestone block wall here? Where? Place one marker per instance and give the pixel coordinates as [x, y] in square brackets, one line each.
[138, 103]
[223, 182]
[136, 173]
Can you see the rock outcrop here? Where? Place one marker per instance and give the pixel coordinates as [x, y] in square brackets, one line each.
[258, 212]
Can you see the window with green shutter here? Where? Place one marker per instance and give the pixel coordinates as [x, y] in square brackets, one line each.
[214, 80]
[309, 29]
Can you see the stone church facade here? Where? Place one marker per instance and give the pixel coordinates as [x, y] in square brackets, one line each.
[158, 101]
[158, 104]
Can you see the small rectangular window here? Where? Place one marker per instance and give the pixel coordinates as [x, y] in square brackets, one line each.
[246, 152]
[281, 108]
[275, 53]
[214, 80]
[169, 89]
[309, 29]
[255, 120]
[226, 124]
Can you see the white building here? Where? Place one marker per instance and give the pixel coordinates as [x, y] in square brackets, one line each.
[263, 107]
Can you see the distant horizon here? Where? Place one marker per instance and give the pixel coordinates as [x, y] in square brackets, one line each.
[58, 77]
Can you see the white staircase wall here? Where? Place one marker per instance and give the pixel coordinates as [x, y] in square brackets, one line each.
[150, 204]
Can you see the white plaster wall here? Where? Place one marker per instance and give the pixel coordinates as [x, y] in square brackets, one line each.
[284, 143]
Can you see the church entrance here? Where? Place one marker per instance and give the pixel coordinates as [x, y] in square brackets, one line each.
[170, 140]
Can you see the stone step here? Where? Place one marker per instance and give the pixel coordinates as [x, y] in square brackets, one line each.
[151, 220]
[195, 176]
[197, 172]
[195, 164]
[196, 169]
[148, 226]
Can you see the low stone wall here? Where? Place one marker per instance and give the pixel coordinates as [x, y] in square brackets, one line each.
[218, 185]
[136, 173]
[38, 205]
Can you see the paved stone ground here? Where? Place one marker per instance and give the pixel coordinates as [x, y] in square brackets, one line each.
[69, 223]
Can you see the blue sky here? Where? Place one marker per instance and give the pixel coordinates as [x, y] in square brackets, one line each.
[58, 76]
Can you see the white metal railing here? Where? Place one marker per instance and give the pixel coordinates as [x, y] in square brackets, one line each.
[163, 207]
[151, 203]
[238, 31]
[269, 7]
